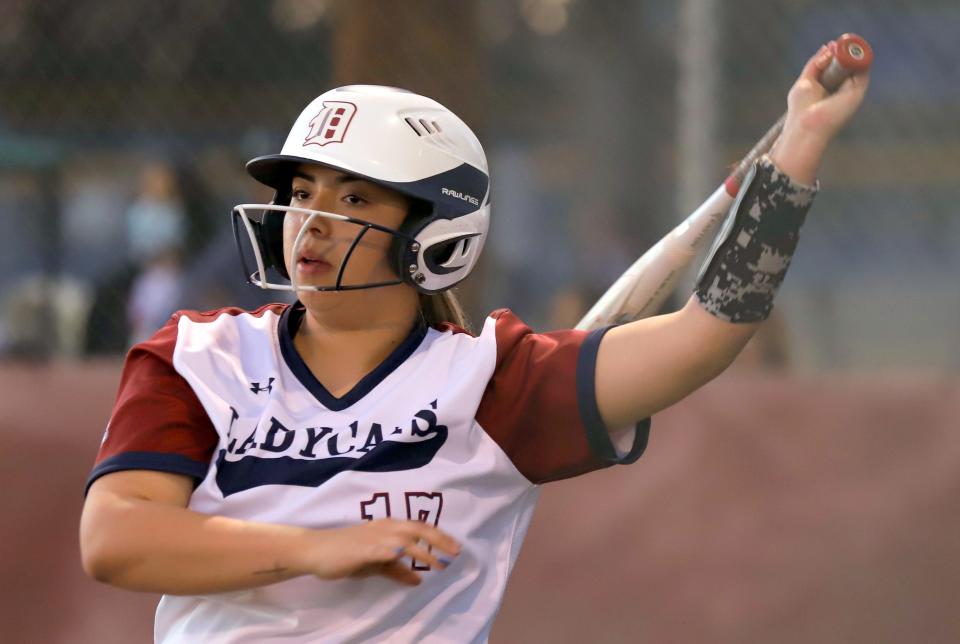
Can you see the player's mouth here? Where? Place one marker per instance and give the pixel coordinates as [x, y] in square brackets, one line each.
[310, 264]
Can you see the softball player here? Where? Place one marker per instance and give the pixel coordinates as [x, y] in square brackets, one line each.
[356, 466]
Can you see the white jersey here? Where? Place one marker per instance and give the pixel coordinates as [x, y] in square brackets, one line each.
[451, 429]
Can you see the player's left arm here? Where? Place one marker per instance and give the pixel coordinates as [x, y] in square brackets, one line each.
[648, 365]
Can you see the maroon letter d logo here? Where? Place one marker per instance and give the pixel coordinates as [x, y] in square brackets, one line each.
[331, 123]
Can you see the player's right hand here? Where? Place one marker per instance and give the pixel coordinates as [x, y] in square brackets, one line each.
[381, 547]
[816, 111]
[815, 116]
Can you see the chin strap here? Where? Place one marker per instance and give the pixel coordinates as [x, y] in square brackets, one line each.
[750, 258]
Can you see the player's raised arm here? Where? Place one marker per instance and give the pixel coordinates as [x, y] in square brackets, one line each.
[646, 366]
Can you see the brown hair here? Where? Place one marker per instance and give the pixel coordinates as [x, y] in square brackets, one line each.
[445, 306]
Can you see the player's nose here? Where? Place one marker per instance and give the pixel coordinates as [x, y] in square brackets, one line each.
[317, 226]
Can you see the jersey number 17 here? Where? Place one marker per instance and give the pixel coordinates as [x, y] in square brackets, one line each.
[421, 506]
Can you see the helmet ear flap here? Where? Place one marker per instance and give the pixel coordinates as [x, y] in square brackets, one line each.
[271, 235]
[417, 217]
[445, 250]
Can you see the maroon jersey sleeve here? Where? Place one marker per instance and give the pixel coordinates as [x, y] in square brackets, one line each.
[157, 421]
[540, 406]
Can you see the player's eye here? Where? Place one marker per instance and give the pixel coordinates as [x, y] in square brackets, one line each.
[354, 200]
[300, 195]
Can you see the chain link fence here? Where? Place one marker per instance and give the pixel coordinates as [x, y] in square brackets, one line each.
[124, 127]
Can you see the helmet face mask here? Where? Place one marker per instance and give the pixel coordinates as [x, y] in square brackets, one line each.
[396, 139]
[263, 224]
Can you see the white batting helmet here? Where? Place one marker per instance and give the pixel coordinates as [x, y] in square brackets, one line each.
[395, 138]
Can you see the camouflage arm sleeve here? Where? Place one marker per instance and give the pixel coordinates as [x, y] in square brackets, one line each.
[753, 251]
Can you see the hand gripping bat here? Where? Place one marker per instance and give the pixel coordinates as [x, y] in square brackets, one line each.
[642, 289]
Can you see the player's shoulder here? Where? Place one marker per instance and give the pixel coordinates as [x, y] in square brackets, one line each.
[512, 336]
[218, 327]
[501, 333]
[505, 326]
[227, 312]
[495, 323]
[465, 354]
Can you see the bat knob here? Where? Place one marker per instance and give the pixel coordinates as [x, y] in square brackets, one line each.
[853, 53]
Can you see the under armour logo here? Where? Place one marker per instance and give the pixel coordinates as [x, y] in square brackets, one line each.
[256, 388]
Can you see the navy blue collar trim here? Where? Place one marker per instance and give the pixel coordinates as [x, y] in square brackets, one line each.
[289, 323]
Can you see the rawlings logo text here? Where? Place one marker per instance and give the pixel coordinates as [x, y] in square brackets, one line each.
[459, 195]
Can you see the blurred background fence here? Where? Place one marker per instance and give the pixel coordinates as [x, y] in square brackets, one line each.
[124, 128]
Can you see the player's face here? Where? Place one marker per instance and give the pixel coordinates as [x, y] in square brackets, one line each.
[327, 241]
